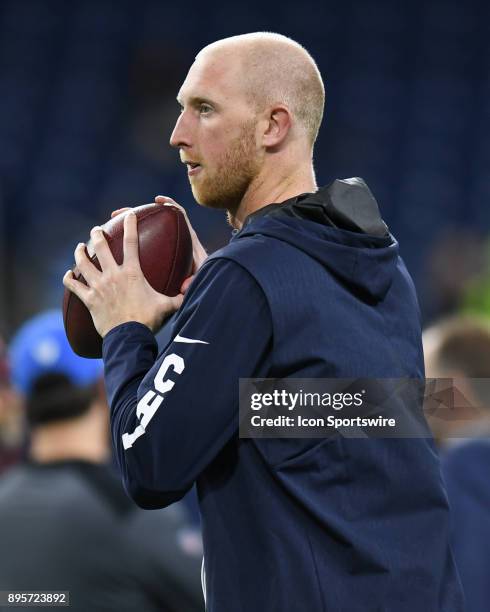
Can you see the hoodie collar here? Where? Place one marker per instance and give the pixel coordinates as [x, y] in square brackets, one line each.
[343, 204]
[340, 227]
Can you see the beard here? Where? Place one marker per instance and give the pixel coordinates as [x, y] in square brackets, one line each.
[226, 185]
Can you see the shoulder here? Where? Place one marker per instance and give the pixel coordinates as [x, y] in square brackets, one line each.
[262, 258]
[250, 248]
[224, 293]
[11, 480]
[224, 275]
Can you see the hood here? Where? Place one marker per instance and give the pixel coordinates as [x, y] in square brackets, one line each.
[340, 226]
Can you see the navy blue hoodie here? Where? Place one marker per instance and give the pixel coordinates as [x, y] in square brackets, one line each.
[312, 287]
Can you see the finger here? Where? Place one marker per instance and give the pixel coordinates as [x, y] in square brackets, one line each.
[114, 213]
[130, 240]
[166, 201]
[84, 265]
[199, 252]
[76, 287]
[101, 248]
[159, 199]
[181, 208]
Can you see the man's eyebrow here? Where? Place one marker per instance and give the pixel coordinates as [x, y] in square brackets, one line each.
[196, 100]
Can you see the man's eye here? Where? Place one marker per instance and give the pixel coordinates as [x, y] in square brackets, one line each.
[204, 109]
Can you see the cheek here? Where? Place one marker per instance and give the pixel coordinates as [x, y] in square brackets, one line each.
[213, 145]
[217, 140]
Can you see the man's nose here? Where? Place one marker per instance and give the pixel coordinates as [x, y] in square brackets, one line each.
[180, 134]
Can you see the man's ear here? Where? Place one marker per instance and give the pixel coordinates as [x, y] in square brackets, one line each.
[278, 126]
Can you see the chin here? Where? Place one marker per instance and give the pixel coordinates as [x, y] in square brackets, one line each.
[209, 200]
[223, 190]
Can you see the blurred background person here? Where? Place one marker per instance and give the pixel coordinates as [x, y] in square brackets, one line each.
[459, 348]
[65, 522]
[11, 417]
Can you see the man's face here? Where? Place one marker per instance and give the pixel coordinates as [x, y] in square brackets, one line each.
[217, 131]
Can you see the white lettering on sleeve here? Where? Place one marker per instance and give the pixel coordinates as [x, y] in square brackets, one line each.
[151, 401]
[174, 361]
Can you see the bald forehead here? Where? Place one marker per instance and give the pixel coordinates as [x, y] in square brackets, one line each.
[253, 60]
[272, 66]
[261, 52]
[215, 72]
[246, 45]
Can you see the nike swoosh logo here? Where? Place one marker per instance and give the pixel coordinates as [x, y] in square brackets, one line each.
[179, 338]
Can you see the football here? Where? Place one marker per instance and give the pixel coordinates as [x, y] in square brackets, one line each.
[165, 252]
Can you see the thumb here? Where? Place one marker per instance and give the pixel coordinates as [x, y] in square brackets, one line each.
[177, 300]
[166, 307]
[186, 283]
[173, 303]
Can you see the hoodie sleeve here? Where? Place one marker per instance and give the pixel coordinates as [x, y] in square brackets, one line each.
[171, 414]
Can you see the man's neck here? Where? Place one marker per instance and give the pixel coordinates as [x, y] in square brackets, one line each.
[64, 441]
[278, 187]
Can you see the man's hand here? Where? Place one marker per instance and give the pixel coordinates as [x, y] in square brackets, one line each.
[198, 251]
[119, 294]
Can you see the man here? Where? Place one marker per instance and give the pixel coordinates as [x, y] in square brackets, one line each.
[11, 421]
[310, 286]
[65, 522]
[459, 348]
